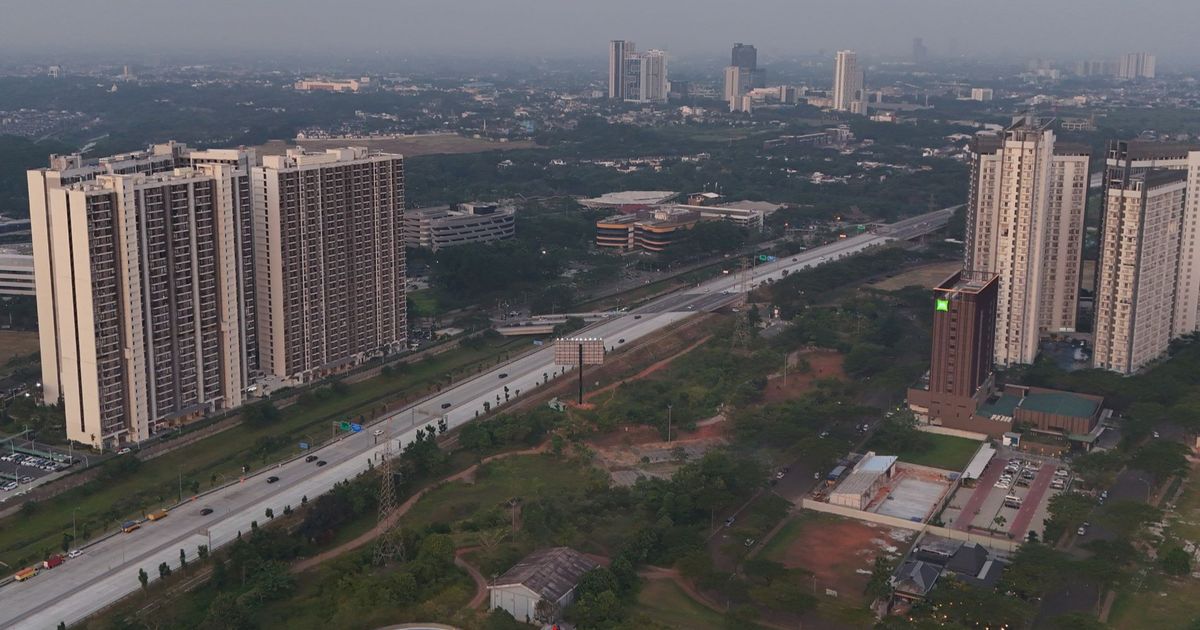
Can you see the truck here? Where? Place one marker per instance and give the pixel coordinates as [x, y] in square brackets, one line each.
[25, 574]
[53, 561]
[129, 526]
[154, 516]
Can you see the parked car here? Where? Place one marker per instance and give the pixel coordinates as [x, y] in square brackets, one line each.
[1083, 528]
[310, 459]
[272, 479]
[729, 522]
[206, 511]
[321, 463]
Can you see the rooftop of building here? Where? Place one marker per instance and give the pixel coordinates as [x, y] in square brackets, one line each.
[1002, 405]
[1164, 177]
[967, 281]
[1151, 150]
[551, 572]
[16, 249]
[877, 463]
[629, 197]
[1060, 403]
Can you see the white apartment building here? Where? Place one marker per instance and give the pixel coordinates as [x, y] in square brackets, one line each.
[143, 310]
[329, 230]
[1138, 262]
[1025, 224]
[849, 92]
[16, 270]
[645, 77]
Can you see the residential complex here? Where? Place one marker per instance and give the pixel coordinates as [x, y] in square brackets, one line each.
[144, 315]
[618, 51]
[169, 283]
[1137, 65]
[1025, 215]
[645, 77]
[849, 93]
[441, 227]
[1148, 272]
[332, 268]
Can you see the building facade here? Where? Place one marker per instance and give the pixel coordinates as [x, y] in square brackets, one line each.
[331, 233]
[1138, 65]
[144, 318]
[438, 228]
[16, 270]
[1025, 216]
[618, 51]
[645, 77]
[849, 92]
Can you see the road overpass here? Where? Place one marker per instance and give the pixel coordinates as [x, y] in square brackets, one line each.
[108, 568]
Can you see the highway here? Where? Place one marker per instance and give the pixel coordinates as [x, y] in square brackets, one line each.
[108, 569]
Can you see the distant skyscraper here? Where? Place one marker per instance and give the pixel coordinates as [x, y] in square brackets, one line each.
[333, 263]
[849, 94]
[919, 52]
[1136, 66]
[744, 56]
[618, 51]
[645, 77]
[146, 315]
[1025, 224]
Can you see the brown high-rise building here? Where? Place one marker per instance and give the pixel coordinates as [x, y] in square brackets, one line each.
[964, 333]
[330, 262]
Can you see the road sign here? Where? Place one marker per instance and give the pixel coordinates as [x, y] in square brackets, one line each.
[304, 446]
[356, 427]
[344, 425]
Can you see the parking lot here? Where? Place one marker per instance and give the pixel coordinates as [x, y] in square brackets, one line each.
[1010, 497]
[24, 464]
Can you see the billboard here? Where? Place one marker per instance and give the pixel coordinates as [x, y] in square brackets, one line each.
[566, 350]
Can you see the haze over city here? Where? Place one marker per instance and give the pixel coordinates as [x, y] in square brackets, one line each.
[313, 28]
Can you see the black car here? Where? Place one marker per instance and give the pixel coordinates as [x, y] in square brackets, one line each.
[445, 405]
[504, 375]
[321, 463]
[310, 459]
[206, 511]
[272, 479]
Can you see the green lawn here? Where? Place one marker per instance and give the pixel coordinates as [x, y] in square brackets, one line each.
[663, 602]
[945, 451]
[97, 507]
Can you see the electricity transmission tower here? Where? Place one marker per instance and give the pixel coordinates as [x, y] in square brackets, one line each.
[389, 545]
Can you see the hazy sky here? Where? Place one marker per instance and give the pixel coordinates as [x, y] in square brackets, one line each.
[575, 27]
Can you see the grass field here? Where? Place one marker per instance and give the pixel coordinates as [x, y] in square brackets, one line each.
[946, 452]
[776, 548]
[410, 146]
[663, 602]
[924, 276]
[17, 343]
[98, 506]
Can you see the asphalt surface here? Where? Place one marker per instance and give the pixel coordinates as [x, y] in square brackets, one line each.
[108, 569]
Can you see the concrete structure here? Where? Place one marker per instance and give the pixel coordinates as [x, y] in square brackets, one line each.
[146, 308]
[1137, 267]
[548, 575]
[16, 270]
[741, 76]
[1137, 65]
[982, 94]
[332, 85]
[618, 51]
[441, 227]
[655, 230]
[849, 92]
[858, 488]
[645, 77]
[1025, 223]
[737, 83]
[1128, 160]
[330, 231]
[629, 198]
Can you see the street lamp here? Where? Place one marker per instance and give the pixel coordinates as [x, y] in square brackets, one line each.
[668, 423]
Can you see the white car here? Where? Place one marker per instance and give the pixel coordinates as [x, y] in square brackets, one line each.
[377, 432]
[74, 553]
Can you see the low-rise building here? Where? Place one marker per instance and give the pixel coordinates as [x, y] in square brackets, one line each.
[441, 227]
[16, 270]
[542, 585]
[656, 230]
[868, 476]
[332, 85]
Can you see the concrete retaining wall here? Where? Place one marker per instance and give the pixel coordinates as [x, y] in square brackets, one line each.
[1002, 544]
[970, 435]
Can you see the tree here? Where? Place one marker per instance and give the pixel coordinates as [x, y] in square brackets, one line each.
[596, 610]
[1175, 561]
[202, 552]
[546, 611]
[164, 570]
[182, 559]
[270, 513]
[226, 613]
[880, 584]
[260, 414]
[1161, 458]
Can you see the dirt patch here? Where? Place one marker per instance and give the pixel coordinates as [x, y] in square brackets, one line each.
[835, 550]
[925, 276]
[654, 367]
[17, 343]
[822, 364]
